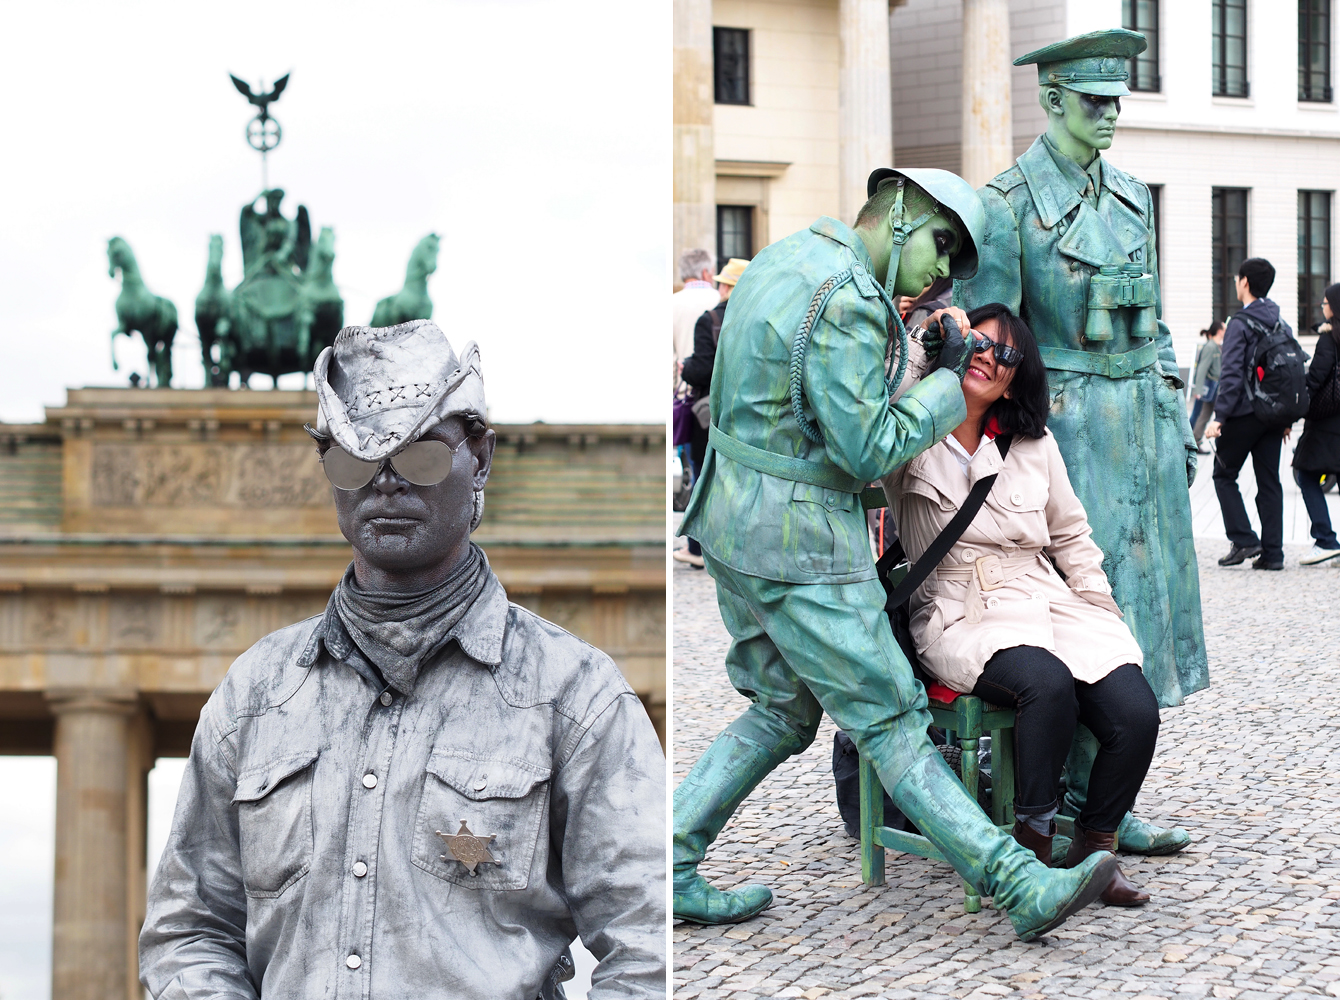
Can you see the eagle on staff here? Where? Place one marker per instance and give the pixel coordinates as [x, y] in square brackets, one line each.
[261, 101]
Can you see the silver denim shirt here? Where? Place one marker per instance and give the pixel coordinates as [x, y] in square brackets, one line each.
[305, 858]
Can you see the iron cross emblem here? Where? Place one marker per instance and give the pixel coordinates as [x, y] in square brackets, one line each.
[468, 849]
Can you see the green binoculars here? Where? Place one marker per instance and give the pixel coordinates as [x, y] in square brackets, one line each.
[1120, 286]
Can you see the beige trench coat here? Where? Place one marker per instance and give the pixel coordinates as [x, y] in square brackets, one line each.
[996, 588]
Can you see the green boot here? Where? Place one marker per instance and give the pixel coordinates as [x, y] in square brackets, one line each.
[1036, 897]
[1134, 836]
[707, 797]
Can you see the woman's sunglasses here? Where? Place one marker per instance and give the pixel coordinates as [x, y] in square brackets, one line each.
[423, 463]
[1006, 356]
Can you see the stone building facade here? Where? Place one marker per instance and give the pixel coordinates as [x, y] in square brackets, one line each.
[148, 537]
[1241, 147]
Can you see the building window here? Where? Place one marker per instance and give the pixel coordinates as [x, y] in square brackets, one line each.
[730, 62]
[735, 233]
[1229, 25]
[1143, 16]
[1229, 246]
[1314, 255]
[1314, 52]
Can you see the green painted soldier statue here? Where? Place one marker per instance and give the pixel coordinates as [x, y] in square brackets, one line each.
[801, 422]
[1070, 247]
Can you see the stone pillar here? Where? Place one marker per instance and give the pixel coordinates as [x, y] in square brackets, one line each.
[93, 898]
[865, 100]
[695, 210]
[988, 122]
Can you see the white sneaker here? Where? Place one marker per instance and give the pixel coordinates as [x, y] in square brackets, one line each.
[685, 556]
[1318, 555]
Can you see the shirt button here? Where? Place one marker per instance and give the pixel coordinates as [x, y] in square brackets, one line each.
[353, 961]
[969, 555]
[360, 869]
[483, 780]
[1074, 265]
[993, 602]
[369, 781]
[385, 699]
[1016, 499]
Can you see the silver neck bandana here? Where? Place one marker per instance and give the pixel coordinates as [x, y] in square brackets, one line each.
[400, 631]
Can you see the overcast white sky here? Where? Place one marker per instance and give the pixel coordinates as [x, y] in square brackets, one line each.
[532, 135]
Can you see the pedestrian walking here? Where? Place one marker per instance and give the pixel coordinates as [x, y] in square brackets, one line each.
[697, 373]
[1241, 432]
[1318, 451]
[1209, 357]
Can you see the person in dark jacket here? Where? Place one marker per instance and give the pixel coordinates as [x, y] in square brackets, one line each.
[1318, 451]
[697, 373]
[1240, 433]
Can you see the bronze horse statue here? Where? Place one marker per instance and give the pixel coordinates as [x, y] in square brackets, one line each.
[212, 319]
[138, 309]
[412, 301]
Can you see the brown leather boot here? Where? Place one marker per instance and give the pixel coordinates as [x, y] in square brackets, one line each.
[1120, 891]
[1040, 845]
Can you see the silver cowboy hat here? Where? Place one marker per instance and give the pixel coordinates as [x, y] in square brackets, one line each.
[380, 388]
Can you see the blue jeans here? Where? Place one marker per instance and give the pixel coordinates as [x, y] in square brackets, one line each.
[1315, 502]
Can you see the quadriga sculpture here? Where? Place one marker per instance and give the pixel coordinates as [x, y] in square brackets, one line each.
[286, 308]
[139, 310]
[412, 301]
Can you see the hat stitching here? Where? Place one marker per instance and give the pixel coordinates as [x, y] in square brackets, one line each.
[424, 389]
[397, 392]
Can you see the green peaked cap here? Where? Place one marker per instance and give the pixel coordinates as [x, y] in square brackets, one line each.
[1092, 63]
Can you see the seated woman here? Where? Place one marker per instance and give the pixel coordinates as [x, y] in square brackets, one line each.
[1020, 613]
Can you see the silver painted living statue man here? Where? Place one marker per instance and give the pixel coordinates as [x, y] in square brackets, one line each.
[425, 791]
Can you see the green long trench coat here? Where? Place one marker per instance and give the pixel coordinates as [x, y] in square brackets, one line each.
[1123, 433]
[773, 527]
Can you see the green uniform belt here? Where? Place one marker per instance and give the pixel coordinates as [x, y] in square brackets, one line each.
[798, 470]
[1109, 365]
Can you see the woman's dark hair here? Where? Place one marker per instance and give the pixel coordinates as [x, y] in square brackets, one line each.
[1332, 297]
[1025, 410]
[1214, 328]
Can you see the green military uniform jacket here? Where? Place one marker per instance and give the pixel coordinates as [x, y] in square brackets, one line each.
[776, 525]
[1116, 412]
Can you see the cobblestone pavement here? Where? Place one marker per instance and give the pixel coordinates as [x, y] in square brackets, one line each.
[1248, 766]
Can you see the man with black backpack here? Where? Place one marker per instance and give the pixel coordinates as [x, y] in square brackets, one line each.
[1262, 391]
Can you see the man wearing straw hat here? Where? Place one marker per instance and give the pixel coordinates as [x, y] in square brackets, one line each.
[425, 791]
[697, 373]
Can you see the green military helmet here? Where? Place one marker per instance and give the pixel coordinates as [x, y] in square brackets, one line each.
[947, 190]
[1092, 63]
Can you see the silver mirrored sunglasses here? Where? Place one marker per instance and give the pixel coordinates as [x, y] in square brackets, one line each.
[423, 463]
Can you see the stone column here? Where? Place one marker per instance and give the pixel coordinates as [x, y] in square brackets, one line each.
[865, 100]
[988, 122]
[694, 153]
[93, 742]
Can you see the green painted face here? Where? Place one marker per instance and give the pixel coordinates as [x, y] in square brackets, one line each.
[1089, 118]
[927, 253]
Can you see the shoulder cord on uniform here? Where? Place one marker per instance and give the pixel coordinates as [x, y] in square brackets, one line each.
[800, 345]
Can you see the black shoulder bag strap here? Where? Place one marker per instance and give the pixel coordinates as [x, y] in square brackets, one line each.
[944, 541]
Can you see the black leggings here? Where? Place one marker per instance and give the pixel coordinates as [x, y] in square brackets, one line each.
[1120, 710]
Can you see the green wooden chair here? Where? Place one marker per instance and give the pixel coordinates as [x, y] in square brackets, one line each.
[969, 719]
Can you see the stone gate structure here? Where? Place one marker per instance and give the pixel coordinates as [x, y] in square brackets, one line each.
[147, 537]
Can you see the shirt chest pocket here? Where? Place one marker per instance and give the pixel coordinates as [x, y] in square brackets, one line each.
[480, 820]
[1018, 495]
[274, 819]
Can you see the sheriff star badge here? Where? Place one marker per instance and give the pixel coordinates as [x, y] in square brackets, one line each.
[468, 849]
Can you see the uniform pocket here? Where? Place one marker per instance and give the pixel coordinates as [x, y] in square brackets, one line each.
[274, 818]
[480, 813]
